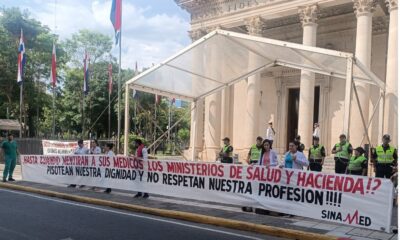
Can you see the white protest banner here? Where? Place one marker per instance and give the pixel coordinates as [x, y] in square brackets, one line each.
[353, 200]
[51, 147]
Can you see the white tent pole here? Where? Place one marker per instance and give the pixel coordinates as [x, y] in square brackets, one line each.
[126, 125]
[361, 113]
[347, 96]
[373, 114]
[194, 126]
[381, 114]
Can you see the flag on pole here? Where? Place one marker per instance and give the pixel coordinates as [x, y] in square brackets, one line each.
[54, 67]
[110, 80]
[21, 58]
[115, 17]
[86, 63]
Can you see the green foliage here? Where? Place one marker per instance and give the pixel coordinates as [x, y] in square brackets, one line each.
[76, 114]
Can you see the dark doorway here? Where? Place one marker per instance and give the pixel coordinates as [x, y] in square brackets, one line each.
[316, 104]
[293, 114]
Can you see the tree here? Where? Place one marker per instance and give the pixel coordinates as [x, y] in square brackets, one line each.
[38, 48]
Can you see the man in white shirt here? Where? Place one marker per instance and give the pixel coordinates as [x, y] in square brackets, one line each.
[270, 133]
[80, 150]
[316, 132]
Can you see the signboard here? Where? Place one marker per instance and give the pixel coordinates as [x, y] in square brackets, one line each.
[61, 147]
[353, 200]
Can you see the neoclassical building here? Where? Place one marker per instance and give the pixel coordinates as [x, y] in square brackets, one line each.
[292, 99]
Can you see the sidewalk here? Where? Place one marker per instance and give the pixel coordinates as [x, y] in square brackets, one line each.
[220, 210]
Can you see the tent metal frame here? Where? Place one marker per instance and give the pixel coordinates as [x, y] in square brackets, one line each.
[348, 76]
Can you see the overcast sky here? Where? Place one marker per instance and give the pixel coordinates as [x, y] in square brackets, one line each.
[152, 30]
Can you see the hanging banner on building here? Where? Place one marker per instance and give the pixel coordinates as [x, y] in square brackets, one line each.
[51, 147]
[352, 200]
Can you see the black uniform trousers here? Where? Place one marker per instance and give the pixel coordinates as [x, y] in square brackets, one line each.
[341, 165]
[384, 170]
[315, 165]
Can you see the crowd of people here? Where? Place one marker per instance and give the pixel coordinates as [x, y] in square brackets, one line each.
[347, 160]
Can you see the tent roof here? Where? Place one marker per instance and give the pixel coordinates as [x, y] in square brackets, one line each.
[10, 124]
[222, 58]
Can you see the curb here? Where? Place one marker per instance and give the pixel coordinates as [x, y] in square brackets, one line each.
[191, 217]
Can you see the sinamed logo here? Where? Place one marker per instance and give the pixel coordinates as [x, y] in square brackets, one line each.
[350, 218]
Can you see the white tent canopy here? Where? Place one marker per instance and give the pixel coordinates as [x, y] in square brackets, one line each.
[222, 58]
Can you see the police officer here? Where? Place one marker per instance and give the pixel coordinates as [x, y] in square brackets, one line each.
[255, 152]
[342, 151]
[226, 152]
[385, 158]
[358, 164]
[316, 155]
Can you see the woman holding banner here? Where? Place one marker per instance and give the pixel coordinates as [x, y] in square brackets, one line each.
[269, 157]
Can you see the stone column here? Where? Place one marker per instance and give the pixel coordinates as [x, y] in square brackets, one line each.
[308, 18]
[363, 10]
[212, 117]
[195, 35]
[391, 103]
[254, 27]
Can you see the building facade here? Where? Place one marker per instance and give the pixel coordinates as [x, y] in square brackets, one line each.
[294, 100]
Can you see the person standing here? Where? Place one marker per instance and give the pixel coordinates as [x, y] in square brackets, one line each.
[300, 146]
[342, 151]
[95, 149]
[358, 164]
[294, 159]
[316, 155]
[10, 149]
[108, 151]
[141, 152]
[270, 133]
[255, 152]
[80, 150]
[268, 157]
[226, 152]
[317, 132]
[385, 158]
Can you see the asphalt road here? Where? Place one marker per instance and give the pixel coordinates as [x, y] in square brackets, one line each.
[30, 216]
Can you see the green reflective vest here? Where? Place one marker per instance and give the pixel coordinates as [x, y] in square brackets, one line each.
[385, 157]
[355, 163]
[315, 153]
[255, 153]
[345, 150]
[225, 150]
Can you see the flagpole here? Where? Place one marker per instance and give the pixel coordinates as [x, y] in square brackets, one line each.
[21, 103]
[54, 104]
[119, 90]
[109, 111]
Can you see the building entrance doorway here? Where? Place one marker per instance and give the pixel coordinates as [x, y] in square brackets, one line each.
[293, 112]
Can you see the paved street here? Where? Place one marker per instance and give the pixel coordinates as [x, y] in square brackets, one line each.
[30, 216]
